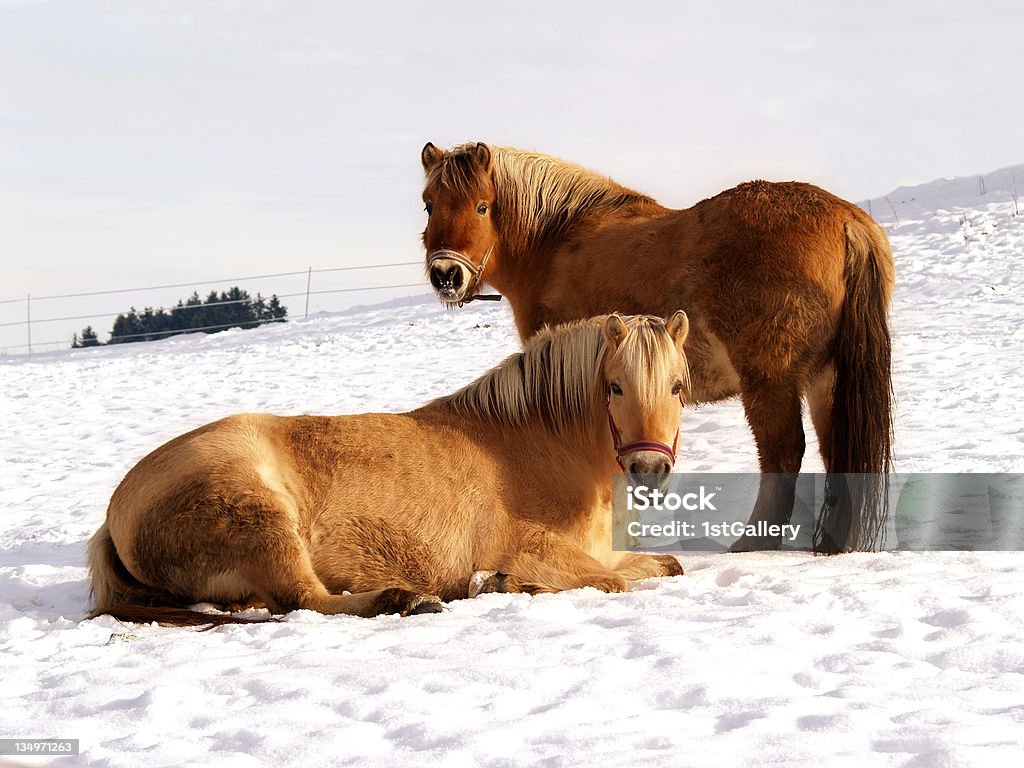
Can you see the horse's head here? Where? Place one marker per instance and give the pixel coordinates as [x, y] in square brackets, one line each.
[646, 376]
[460, 237]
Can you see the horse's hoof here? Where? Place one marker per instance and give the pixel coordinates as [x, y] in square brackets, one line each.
[425, 604]
[485, 582]
[611, 582]
[404, 602]
[670, 565]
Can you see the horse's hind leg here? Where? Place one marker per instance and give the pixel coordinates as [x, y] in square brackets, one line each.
[819, 403]
[843, 493]
[281, 574]
[773, 412]
[297, 588]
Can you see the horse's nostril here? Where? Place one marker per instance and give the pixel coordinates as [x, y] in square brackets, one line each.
[436, 277]
[455, 277]
[665, 468]
[634, 469]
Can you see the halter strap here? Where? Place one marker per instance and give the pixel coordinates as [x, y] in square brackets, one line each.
[638, 445]
[476, 270]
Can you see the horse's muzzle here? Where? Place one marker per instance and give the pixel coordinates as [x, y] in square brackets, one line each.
[647, 468]
[449, 278]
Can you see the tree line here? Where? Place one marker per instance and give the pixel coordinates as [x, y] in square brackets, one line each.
[233, 308]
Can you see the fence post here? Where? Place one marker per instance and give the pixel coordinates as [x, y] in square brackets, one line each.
[28, 324]
[309, 276]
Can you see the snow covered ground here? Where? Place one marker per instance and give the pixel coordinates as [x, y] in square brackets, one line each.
[895, 659]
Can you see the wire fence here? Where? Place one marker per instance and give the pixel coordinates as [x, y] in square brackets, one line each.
[31, 304]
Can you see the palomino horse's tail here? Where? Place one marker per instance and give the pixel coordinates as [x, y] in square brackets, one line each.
[119, 594]
[857, 504]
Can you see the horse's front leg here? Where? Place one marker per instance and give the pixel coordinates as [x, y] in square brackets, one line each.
[540, 560]
[773, 412]
[634, 567]
[631, 568]
[532, 577]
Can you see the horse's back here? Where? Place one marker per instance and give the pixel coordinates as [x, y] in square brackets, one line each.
[210, 450]
[760, 268]
[792, 235]
[759, 214]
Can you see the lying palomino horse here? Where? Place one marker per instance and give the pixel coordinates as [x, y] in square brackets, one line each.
[787, 288]
[503, 486]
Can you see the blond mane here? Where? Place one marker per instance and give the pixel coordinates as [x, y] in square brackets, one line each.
[557, 377]
[538, 195]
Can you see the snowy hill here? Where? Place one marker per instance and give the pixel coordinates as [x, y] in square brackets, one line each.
[1001, 188]
[781, 658]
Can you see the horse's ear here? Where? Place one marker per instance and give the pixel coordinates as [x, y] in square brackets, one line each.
[678, 327]
[615, 331]
[482, 153]
[430, 156]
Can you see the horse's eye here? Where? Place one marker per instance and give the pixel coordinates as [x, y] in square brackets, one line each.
[677, 388]
[482, 209]
[429, 208]
[615, 389]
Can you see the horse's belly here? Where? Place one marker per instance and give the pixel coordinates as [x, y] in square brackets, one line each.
[225, 588]
[712, 374]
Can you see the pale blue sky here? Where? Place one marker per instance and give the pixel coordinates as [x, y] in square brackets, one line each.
[181, 140]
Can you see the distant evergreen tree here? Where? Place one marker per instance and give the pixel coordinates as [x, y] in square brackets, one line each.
[212, 314]
[233, 308]
[188, 314]
[276, 312]
[127, 328]
[87, 339]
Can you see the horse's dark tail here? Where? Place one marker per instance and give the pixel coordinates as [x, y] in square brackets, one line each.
[859, 456]
[119, 594]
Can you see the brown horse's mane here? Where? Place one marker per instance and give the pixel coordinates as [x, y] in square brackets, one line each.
[557, 376]
[538, 196]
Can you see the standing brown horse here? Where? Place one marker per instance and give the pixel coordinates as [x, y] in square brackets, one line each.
[505, 485]
[787, 288]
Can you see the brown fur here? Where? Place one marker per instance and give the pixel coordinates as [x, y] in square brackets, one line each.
[787, 288]
[510, 474]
